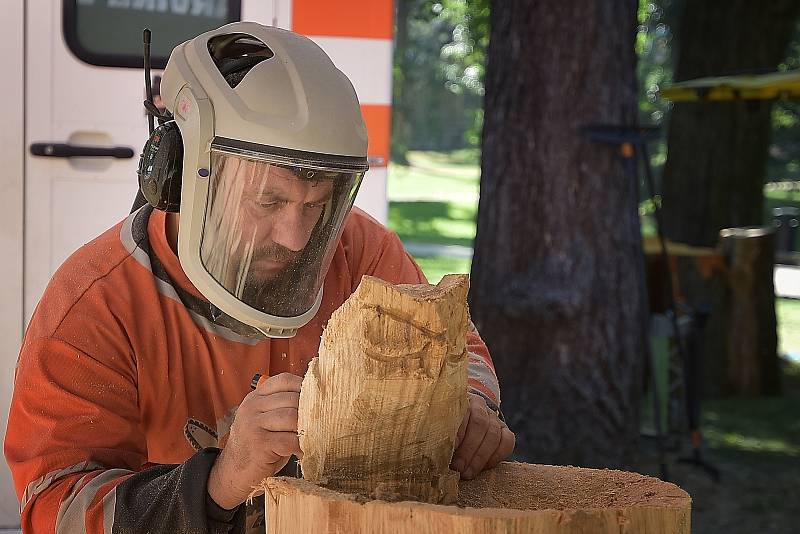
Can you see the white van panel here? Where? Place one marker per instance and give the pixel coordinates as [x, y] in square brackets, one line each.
[12, 157]
[69, 100]
[367, 62]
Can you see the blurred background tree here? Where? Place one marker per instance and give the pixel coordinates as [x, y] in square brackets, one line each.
[439, 59]
[717, 152]
[784, 153]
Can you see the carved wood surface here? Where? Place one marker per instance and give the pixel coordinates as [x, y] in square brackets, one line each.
[381, 405]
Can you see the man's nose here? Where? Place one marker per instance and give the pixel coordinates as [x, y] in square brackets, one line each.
[290, 230]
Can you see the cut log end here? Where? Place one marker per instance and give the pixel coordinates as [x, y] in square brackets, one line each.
[546, 487]
[512, 498]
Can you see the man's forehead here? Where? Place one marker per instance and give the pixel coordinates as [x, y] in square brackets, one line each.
[274, 177]
[277, 171]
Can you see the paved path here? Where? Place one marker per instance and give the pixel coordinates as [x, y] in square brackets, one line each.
[429, 249]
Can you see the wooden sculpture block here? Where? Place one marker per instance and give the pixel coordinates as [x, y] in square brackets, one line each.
[381, 405]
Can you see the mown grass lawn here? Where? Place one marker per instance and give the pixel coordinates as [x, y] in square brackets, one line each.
[434, 200]
[788, 312]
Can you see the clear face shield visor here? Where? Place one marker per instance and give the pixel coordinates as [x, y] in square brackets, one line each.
[271, 228]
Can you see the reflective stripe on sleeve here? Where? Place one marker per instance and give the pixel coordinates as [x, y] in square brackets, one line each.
[109, 506]
[72, 512]
[482, 377]
[42, 483]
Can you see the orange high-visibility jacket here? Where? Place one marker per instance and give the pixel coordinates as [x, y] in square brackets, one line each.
[128, 381]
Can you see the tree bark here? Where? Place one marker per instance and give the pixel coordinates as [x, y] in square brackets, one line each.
[513, 498]
[717, 151]
[557, 275]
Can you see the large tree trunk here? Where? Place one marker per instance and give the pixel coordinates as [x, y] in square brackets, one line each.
[714, 174]
[557, 277]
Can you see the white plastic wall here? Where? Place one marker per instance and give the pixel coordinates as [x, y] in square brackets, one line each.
[12, 157]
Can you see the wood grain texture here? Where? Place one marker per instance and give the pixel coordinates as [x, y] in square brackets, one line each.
[513, 498]
[381, 405]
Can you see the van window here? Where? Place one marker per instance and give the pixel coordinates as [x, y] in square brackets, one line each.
[108, 33]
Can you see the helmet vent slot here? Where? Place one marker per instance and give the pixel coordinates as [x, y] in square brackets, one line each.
[235, 54]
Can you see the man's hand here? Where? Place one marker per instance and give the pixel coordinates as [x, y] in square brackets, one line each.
[262, 438]
[483, 440]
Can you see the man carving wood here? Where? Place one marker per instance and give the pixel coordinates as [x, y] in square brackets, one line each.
[132, 409]
[380, 407]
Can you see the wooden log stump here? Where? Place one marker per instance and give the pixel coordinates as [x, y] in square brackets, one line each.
[751, 363]
[513, 498]
[381, 405]
[379, 411]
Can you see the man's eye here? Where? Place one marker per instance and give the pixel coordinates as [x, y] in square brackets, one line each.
[314, 205]
[267, 203]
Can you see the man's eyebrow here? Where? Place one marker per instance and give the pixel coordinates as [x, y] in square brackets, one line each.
[266, 189]
[266, 193]
[327, 196]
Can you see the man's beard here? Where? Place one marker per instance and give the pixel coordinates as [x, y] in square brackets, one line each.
[287, 292]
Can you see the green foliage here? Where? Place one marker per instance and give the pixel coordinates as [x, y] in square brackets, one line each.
[654, 42]
[655, 50]
[464, 56]
[438, 75]
[784, 152]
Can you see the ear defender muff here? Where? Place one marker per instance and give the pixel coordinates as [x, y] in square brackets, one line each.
[160, 168]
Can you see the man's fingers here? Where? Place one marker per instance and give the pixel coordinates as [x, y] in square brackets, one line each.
[473, 437]
[267, 403]
[278, 420]
[485, 451]
[504, 449]
[284, 444]
[278, 383]
[463, 428]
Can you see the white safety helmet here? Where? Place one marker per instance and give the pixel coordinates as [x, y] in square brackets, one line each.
[274, 150]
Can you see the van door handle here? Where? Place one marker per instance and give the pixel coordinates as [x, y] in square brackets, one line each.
[64, 150]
